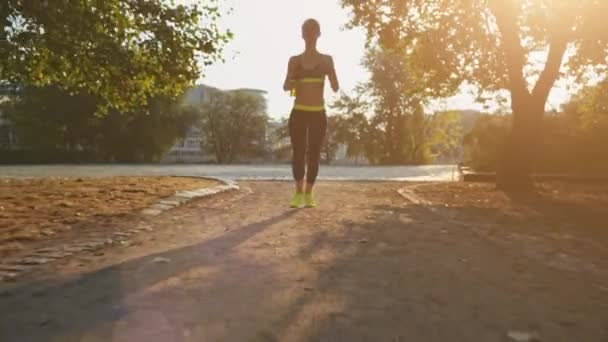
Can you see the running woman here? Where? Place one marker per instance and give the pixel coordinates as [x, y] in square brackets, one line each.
[306, 74]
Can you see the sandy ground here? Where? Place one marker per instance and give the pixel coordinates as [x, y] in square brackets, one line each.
[35, 209]
[366, 265]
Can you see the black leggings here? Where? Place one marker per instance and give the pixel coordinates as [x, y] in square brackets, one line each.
[305, 126]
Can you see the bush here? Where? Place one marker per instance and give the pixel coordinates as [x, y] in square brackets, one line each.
[563, 146]
[45, 156]
[54, 126]
[483, 142]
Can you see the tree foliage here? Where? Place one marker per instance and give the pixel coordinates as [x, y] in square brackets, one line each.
[233, 125]
[279, 140]
[572, 141]
[482, 144]
[446, 136]
[494, 44]
[49, 120]
[487, 42]
[123, 52]
[354, 131]
[385, 119]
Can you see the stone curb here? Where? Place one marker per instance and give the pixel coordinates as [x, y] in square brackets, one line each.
[409, 195]
[470, 176]
[10, 271]
[183, 197]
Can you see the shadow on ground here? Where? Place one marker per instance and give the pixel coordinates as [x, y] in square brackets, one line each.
[391, 272]
[37, 312]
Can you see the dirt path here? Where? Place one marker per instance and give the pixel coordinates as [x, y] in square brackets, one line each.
[38, 211]
[367, 265]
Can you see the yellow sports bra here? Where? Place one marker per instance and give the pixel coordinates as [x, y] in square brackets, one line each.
[303, 75]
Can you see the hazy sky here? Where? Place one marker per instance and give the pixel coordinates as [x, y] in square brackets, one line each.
[267, 32]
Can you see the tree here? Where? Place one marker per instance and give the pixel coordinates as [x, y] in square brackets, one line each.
[493, 44]
[233, 124]
[50, 121]
[482, 142]
[145, 135]
[398, 131]
[331, 140]
[49, 118]
[573, 141]
[354, 128]
[353, 131]
[586, 117]
[588, 110]
[446, 137]
[397, 104]
[123, 52]
[280, 140]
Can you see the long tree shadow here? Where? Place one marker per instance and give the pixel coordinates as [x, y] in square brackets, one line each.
[349, 299]
[403, 273]
[36, 312]
[594, 216]
[410, 277]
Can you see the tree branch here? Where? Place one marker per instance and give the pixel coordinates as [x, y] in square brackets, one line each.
[550, 73]
[505, 13]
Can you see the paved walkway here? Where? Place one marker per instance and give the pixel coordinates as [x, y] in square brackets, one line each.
[367, 265]
[238, 172]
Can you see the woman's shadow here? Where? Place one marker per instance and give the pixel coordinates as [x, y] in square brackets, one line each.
[68, 310]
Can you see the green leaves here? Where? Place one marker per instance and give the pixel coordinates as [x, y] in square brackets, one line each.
[573, 141]
[453, 41]
[494, 45]
[123, 52]
[52, 119]
[385, 121]
[233, 124]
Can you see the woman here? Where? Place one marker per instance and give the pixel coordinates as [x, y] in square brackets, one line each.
[306, 75]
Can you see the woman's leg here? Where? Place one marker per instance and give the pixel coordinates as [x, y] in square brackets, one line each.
[297, 133]
[316, 136]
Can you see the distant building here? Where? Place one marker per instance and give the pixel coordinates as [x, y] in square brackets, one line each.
[8, 138]
[340, 156]
[251, 91]
[189, 149]
[10, 90]
[7, 135]
[186, 150]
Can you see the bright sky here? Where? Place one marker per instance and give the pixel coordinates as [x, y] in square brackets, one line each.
[267, 33]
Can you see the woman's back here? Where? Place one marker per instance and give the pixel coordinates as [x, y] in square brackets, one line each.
[306, 74]
[309, 74]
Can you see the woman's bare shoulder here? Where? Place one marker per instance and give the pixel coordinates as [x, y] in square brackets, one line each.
[327, 58]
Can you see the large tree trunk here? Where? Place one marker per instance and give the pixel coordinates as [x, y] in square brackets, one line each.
[515, 168]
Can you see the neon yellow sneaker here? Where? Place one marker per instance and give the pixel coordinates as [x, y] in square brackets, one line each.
[309, 201]
[297, 200]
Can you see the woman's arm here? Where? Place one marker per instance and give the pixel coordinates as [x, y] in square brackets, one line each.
[333, 79]
[288, 84]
